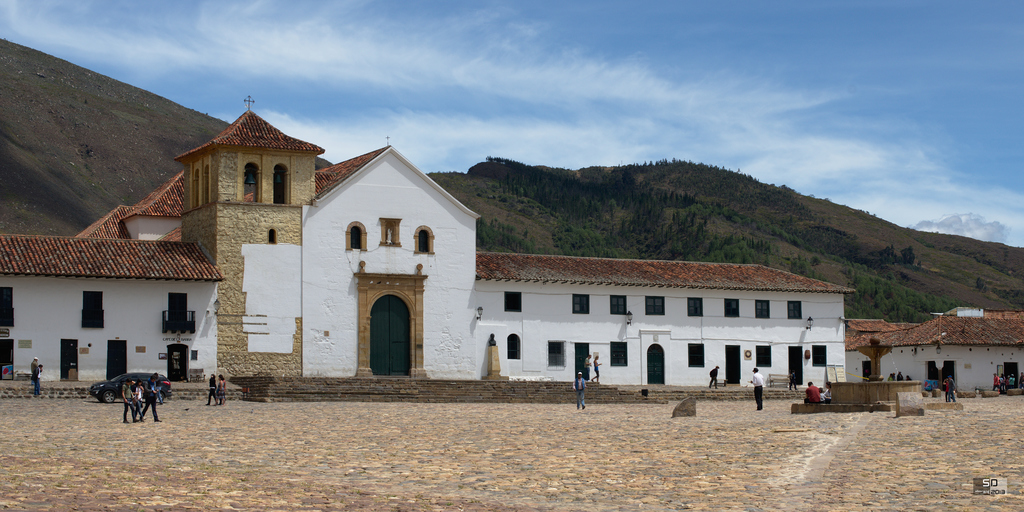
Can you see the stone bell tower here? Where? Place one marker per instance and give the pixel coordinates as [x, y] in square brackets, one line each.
[247, 187]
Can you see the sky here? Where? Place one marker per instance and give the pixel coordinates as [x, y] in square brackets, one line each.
[909, 110]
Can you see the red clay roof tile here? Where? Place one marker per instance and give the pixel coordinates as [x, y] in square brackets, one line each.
[673, 274]
[329, 177]
[250, 130]
[110, 258]
[957, 331]
[109, 226]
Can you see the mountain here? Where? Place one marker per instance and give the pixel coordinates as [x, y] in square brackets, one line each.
[685, 210]
[75, 144]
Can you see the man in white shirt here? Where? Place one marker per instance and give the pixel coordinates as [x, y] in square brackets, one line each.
[758, 382]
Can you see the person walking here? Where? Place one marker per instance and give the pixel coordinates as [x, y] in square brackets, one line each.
[950, 389]
[149, 393]
[129, 401]
[213, 390]
[579, 386]
[137, 399]
[792, 380]
[222, 390]
[714, 378]
[36, 370]
[597, 370]
[758, 382]
[586, 368]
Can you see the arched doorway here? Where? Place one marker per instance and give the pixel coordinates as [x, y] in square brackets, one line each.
[177, 362]
[655, 365]
[389, 336]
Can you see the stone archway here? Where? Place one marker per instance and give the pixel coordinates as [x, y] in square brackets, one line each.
[408, 288]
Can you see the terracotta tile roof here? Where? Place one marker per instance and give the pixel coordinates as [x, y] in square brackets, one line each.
[673, 274]
[93, 257]
[250, 130]
[958, 331]
[328, 177]
[166, 201]
[109, 226]
[173, 236]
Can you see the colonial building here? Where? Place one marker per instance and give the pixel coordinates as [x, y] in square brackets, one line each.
[368, 267]
[968, 344]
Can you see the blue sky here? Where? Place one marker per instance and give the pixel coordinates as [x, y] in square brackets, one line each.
[909, 110]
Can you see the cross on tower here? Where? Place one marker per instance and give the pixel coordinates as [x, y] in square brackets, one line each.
[388, 140]
[248, 102]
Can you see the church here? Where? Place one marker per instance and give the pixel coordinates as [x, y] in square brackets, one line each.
[251, 261]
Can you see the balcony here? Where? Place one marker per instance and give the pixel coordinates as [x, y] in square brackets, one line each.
[92, 318]
[179, 321]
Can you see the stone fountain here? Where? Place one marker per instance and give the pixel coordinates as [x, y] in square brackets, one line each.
[876, 389]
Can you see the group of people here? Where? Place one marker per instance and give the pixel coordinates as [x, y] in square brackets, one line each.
[898, 376]
[816, 395]
[218, 389]
[139, 396]
[949, 386]
[1004, 382]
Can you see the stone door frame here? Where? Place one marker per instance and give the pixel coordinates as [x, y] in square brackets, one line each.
[409, 289]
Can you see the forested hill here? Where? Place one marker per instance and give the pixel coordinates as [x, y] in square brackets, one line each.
[681, 210]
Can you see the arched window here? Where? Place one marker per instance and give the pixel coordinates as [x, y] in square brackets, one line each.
[355, 237]
[513, 346]
[250, 185]
[206, 186]
[196, 194]
[280, 184]
[424, 240]
[272, 236]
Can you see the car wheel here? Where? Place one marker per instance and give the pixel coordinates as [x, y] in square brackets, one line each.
[108, 396]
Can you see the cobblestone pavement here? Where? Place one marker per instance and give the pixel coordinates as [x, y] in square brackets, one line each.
[77, 455]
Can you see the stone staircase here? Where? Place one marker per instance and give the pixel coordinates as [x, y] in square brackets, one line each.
[403, 389]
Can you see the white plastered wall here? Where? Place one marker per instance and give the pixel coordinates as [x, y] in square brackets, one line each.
[48, 309]
[547, 316]
[272, 284]
[388, 188]
[973, 365]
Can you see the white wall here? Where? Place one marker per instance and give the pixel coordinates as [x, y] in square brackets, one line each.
[389, 188]
[547, 316]
[272, 283]
[974, 365]
[150, 228]
[48, 309]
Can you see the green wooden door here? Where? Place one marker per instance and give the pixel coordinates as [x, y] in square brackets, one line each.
[389, 337]
[655, 365]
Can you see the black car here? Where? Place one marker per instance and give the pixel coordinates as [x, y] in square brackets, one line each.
[109, 391]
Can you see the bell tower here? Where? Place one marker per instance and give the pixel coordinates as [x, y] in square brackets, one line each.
[245, 188]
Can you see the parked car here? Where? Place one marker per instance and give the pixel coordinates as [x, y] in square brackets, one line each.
[109, 391]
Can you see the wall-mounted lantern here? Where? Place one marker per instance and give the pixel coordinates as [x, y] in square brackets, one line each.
[810, 322]
[629, 318]
[479, 312]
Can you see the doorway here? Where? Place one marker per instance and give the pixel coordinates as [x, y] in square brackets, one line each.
[68, 359]
[732, 364]
[949, 370]
[796, 364]
[7, 358]
[655, 365]
[389, 336]
[117, 358]
[866, 371]
[177, 362]
[580, 356]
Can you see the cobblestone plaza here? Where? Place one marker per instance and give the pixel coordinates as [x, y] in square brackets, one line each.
[74, 454]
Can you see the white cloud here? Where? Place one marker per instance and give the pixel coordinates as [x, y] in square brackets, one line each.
[966, 224]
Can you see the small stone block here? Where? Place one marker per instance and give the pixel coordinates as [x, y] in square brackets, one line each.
[688, 407]
[1014, 392]
[966, 394]
[989, 394]
[909, 404]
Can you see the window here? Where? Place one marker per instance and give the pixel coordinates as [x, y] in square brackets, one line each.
[619, 355]
[280, 184]
[580, 304]
[424, 240]
[618, 304]
[355, 237]
[818, 355]
[764, 355]
[556, 353]
[513, 346]
[696, 355]
[762, 309]
[654, 305]
[732, 307]
[92, 309]
[272, 236]
[251, 183]
[695, 306]
[794, 310]
[6, 306]
[513, 301]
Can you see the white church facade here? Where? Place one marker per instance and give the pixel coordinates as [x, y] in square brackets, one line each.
[252, 262]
